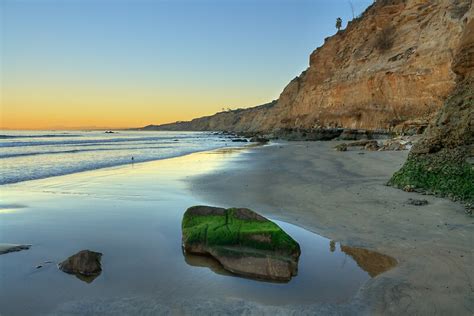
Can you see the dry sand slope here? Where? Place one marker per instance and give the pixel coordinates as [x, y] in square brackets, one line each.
[342, 195]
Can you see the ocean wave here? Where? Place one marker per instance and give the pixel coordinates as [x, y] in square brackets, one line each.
[40, 173]
[24, 159]
[72, 151]
[38, 136]
[93, 141]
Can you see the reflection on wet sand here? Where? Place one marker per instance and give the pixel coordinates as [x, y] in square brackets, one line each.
[10, 208]
[231, 150]
[87, 278]
[372, 262]
[206, 262]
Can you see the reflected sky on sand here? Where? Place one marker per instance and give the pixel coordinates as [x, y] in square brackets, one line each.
[133, 215]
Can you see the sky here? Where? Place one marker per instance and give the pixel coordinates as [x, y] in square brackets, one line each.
[67, 64]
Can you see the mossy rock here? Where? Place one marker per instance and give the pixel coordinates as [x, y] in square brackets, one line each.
[440, 173]
[243, 241]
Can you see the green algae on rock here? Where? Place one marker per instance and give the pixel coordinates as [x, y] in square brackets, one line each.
[244, 242]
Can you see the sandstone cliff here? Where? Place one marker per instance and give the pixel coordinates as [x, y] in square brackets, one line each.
[442, 162]
[389, 68]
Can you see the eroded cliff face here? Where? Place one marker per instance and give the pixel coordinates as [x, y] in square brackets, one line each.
[391, 67]
[442, 162]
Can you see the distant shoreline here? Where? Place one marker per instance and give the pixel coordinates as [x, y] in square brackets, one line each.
[28, 155]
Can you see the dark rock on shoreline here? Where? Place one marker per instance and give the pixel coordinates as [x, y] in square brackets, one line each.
[361, 134]
[341, 147]
[363, 143]
[6, 248]
[417, 202]
[85, 265]
[244, 242]
[259, 139]
[327, 134]
[298, 134]
[367, 144]
[373, 146]
[393, 144]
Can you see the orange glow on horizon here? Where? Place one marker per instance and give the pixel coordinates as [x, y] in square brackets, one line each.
[76, 108]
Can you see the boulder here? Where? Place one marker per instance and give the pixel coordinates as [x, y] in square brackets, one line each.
[417, 202]
[372, 146]
[258, 139]
[85, 263]
[353, 134]
[341, 147]
[394, 145]
[363, 143]
[244, 242]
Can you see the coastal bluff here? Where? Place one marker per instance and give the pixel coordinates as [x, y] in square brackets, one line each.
[442, 162]
[390, 69]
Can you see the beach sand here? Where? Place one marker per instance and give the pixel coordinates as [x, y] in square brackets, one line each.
[343, 196]
[132, 215]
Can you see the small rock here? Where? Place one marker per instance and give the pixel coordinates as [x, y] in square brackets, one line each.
[409, 188]
[363, 143]
[373, 146]
[85, 263]
[341, 147]
[258, 139]
[396, 144]
[417, 202]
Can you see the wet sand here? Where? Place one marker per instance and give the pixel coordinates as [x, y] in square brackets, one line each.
[342, 195]
[132, 215]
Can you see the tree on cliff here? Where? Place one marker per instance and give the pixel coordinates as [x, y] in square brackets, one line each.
[338, 23]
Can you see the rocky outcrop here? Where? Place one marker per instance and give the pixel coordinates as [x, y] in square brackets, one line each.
[442, 162]
[244, 242]
[393, 144]
[390, 69]
[85, 265]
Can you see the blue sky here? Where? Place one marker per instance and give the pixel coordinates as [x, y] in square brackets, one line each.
[183, 57]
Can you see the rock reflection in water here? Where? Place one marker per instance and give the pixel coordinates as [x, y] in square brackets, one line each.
[205, 262]
[86, 278]
[372, 262]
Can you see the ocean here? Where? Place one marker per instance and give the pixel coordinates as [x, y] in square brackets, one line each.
[29, 155]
